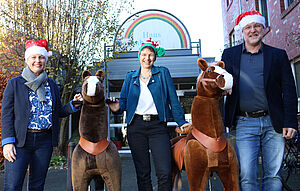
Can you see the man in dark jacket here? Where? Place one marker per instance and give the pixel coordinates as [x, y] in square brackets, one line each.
[263, 103]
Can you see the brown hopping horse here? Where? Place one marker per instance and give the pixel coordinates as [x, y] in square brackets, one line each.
[94, 155]
[204, 149]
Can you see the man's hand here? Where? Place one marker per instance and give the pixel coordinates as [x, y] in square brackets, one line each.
[9, 152]
[288, 133]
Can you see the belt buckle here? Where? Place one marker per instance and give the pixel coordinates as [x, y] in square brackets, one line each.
[146, 117]
[257, 114]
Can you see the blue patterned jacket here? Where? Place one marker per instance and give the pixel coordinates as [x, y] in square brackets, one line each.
[15, 111]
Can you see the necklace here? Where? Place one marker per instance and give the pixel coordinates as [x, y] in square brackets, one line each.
[145, 77]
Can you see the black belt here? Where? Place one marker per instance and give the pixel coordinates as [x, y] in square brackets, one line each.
[146, 117]
[254, 114]
[37, 130]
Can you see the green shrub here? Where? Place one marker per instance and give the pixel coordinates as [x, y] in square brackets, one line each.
[58, 161]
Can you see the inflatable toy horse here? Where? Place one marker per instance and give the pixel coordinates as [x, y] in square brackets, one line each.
[94, 155]
[204, 149]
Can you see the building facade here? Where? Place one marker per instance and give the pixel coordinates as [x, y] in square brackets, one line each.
[282, 26]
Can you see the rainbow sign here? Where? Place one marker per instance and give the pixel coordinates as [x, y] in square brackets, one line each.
[164, 18]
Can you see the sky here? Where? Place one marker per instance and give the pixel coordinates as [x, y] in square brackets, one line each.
[202, 18]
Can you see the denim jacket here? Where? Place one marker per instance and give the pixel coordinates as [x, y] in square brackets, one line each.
[163, 92]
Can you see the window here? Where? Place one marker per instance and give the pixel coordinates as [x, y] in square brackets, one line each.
[263, 9]
[297, 74]
[228, 2]
[232, 40]
[287, 3]
[286, 6]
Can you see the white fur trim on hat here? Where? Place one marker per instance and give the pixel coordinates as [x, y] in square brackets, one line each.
[37, 50]
[250, 19]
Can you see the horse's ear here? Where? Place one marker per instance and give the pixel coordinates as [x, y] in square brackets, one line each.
[86, 73]
[221, 64]
[202, 64]
[100, 73]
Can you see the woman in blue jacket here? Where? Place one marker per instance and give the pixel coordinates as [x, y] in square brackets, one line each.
[149, 97]
[31, 109]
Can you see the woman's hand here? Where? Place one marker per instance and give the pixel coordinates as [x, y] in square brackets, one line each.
[113, 104]
[9, 152]
[77, 97]
[184, 129]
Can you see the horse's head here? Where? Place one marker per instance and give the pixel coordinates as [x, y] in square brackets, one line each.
[214, 79]
[92, 88]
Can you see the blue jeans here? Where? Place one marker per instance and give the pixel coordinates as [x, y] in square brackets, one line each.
[255, 136]
[152, 135]
[36, 155]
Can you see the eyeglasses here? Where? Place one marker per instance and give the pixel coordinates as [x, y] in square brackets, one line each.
[255, 26]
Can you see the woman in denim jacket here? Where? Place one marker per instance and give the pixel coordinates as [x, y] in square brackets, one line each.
[149, 97]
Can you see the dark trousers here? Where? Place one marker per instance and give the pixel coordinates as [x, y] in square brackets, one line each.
[37, 154]
[152, 135]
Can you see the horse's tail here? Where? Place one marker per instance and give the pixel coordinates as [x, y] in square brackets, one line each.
[177, 185]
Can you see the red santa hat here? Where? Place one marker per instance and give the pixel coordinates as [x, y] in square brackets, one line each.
[37, 47]
[248, 17]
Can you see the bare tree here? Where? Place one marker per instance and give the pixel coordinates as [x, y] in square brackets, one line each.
[75, 29]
